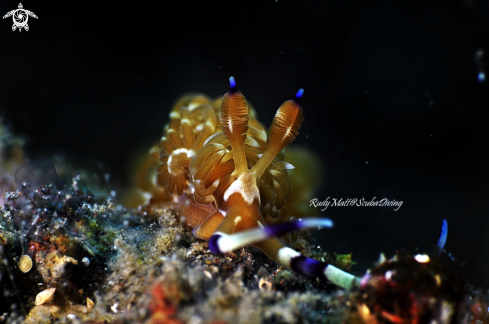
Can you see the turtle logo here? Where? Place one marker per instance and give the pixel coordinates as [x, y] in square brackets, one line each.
[20, 17]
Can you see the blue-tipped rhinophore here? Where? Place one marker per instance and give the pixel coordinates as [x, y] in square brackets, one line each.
[298, 95]
[232, 84]
[443, 237]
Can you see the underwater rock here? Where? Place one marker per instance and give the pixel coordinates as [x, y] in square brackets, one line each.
[410, 289]
[55, 230]
[52, 266]
[43, 314]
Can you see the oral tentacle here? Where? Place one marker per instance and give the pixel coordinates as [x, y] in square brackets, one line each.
[228, 242]
[293, 260]
[205, 230]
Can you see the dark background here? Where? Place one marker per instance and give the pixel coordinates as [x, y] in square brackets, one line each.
[391, 83]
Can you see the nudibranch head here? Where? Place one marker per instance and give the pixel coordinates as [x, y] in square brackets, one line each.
[243, 148]
[230, 181]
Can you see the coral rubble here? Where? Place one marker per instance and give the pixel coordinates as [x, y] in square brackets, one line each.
[72, 253]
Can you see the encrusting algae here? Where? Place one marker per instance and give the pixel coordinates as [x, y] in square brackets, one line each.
[93, 260]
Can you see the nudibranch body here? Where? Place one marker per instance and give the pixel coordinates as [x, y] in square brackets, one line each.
[229, 177]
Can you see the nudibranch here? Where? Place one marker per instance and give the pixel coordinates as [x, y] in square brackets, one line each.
[229, 176]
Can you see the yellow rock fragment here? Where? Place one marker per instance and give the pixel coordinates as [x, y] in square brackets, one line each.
[43, 314]
[90, 303]
[25, 263]
[45, 296]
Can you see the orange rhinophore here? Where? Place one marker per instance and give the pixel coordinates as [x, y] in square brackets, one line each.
[228, 174]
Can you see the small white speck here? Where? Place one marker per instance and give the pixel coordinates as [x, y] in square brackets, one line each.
[422, 258]
[114, 308]
[366, 162]
[208, 274]
[71, 316]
